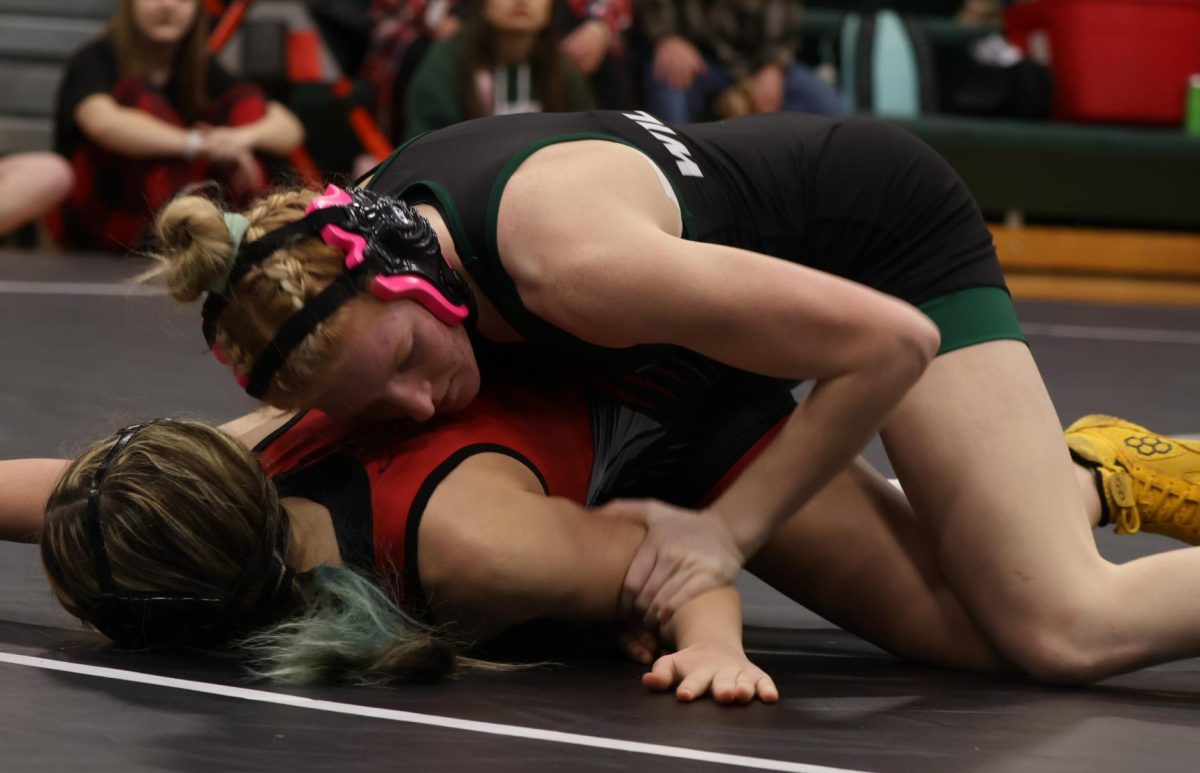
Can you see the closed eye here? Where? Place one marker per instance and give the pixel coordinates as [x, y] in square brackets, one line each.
[406, 361]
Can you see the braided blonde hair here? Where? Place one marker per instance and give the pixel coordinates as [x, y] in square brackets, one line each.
[194, 253]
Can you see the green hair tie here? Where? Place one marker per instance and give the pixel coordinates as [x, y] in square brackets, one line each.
[237, 224]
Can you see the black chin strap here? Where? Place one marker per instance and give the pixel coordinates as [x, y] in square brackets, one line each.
[298, 327]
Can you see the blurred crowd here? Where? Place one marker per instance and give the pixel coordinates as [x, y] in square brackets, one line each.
[144, 110]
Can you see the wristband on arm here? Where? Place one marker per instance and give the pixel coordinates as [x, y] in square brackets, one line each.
[193, 139]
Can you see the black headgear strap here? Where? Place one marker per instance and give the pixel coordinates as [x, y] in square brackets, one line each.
[392, 245]
[142, 619]
[255, 252]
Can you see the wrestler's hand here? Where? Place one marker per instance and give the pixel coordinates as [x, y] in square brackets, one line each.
[677, 62]
[722, 670]
[684, 554]
[587, 44]
[638, 642]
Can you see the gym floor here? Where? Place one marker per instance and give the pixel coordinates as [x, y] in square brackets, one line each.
[87, 352]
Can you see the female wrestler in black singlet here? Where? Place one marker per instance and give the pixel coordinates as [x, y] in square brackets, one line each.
[787, 246]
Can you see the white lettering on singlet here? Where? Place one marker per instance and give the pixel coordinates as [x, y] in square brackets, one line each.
[663, 133]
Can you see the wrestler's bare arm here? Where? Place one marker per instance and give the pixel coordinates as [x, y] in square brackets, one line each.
[603, 266]
[26, 484]
[25, 487]
[495, 552]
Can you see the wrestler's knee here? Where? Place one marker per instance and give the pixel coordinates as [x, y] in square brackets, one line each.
[1059, 641]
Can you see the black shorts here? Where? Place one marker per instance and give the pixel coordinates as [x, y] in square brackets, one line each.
[871, 203]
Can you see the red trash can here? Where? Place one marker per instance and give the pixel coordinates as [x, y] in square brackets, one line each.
[1122, 61]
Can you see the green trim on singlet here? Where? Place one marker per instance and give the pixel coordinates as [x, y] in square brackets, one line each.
[518, 158]
[388, 161]
[496, 283]
[973, 316]
[489, 275]
[449, 210]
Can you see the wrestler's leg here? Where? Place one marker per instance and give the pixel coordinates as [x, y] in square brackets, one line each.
[980, 452]
[858, 557]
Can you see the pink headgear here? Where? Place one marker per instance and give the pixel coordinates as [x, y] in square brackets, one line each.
[390, 250]
[410, 281]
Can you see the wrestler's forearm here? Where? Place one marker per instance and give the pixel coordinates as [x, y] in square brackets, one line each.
[822, 436]
[25, 486]
[714, 617]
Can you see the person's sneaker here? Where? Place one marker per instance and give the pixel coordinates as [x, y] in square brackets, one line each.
[1148, 482]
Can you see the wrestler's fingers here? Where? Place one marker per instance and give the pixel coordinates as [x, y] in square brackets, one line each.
[636, 575]
[724, 685]
[767, 691]
[743, 691]
[662, 674]
[669, 589]
[634, 646]
[664, 568]
[694, 685]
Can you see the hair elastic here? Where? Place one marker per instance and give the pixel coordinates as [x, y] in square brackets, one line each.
[237, 224]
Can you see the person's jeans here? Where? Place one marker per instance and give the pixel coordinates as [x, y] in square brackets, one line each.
[803, 92]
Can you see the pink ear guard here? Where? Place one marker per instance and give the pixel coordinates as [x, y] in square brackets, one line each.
[387, 286]
[390, 251]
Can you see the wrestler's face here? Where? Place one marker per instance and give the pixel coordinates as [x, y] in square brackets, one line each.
[517, 15]
[164, 21]
[398, 361]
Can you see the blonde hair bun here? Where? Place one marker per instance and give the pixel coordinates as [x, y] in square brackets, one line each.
[194, 250]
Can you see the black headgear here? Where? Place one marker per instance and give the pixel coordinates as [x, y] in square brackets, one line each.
[144, 619]
[390, 250]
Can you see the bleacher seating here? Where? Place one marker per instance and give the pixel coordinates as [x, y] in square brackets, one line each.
[1066, 173]
[36, 38]
[1073, 173]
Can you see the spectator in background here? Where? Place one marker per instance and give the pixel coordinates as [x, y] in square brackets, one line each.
[592, 37]
[595, 41]
[30, 184]
[730, 57]
[982, 13]
[143, 111]
[505, 59]
[403, 32]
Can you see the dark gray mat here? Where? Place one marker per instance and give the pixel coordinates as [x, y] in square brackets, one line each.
[77, 366]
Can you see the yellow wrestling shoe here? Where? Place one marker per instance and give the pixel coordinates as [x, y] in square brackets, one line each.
[1148, 482]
